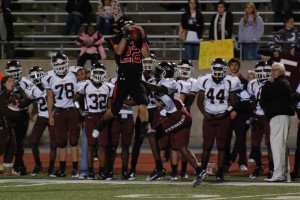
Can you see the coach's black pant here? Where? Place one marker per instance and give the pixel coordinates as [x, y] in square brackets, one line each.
[20, 132]
[240, 127]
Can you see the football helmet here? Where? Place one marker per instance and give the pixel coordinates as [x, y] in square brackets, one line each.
[60, 64]
[98, 73]
[149, 63]
[218, 68]
[165, 70]
[13, 68]
[259, 71]
[36, 74]
[268, 69]
[123, 21]
[185, 68]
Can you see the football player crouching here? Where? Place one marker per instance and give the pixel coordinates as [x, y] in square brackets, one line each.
[178, 120]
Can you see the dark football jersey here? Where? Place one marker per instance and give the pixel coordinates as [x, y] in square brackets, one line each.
[130, 62]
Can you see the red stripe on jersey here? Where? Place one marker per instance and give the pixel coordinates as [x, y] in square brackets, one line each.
[115, 91]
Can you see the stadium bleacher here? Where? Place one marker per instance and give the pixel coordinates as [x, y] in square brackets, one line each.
[39, 25]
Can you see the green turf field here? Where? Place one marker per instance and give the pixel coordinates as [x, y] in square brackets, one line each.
[66, 188]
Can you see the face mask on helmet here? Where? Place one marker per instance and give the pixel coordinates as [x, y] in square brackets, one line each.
[165, 70]
[259, 71]
[123, 21]
[36, 74]
[218, 68]
[184, 69]
[98, 73]
[60, 64]
[268, 69]
[14, 69]
[149, 64]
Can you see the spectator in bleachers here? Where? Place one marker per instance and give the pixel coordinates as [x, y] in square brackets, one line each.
[287, 34]
[192, 23]
[109, 11]
[79, 13]
[251, 29]
[7, 31]
[91, 42]
[221, 24]
[6, 3]
[281, 8]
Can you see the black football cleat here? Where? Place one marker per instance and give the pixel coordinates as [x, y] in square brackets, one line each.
[258, 170]
[220, 177]
[199, 178]
[36, 170]
[156, 175]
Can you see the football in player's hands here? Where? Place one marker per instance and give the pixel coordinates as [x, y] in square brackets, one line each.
[135, 34]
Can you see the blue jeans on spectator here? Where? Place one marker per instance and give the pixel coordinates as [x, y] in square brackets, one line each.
[103, 25]
[191, 51]
[74, 20]
[249, 51]
[83, 158]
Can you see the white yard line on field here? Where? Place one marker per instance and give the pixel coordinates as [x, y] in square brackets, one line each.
[120, 182]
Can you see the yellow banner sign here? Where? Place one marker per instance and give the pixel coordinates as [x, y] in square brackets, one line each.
[210, 50]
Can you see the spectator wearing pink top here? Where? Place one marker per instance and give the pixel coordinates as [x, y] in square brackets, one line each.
[109, 11]
[92, 49]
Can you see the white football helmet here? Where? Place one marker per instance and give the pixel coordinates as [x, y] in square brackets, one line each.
[98, 73]
[60, 64]
[259, 71]
[13, 68]
[36, 74]
[185, 69]
[149, 63]
[218, 68]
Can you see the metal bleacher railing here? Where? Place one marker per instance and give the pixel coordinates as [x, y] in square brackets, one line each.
[31, 41]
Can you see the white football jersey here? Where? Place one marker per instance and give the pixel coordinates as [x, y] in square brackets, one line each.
[183, 87]
[191, 80]
[63, 88]
[95, 98]
[216, 95]
[257, 94]
[151, 97]
[40, 96]
[74, 69]
[251, 86]
[168, 101]
[25, 83]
